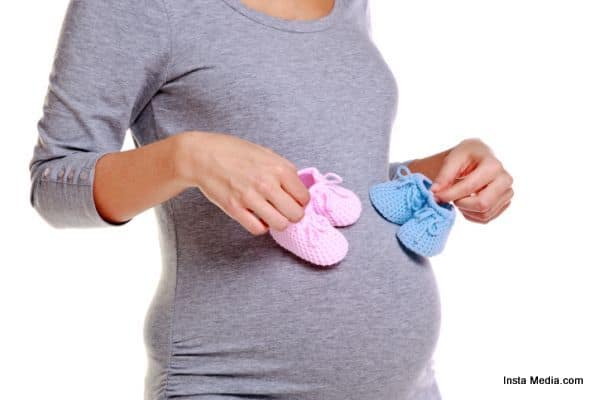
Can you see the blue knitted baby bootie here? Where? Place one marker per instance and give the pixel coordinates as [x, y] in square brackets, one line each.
[398, 199]
[427, 232]
[407, 200]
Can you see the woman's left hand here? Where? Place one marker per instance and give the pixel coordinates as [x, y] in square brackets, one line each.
[475, 181]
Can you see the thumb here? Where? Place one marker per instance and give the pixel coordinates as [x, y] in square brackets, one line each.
[450, 170]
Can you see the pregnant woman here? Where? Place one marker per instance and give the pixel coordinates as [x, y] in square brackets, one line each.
[226, 100]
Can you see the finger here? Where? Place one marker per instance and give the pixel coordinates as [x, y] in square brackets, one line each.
[454, 163]
[477, 217]
[472, 183]
[292, 184]
[487, 198]
[264, 210]
[504, 198]
[487, 217]
[286, 205]
[233, 207]
[248, 220]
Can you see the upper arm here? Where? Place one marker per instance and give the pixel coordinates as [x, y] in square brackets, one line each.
[112, 57]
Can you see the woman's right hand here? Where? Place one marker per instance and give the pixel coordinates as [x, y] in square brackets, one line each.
[252, 184]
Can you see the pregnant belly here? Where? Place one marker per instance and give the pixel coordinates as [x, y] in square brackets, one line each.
[260, 322]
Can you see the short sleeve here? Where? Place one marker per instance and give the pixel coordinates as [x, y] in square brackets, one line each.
[111, 59]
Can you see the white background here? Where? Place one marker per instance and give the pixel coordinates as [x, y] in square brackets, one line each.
[520, 295]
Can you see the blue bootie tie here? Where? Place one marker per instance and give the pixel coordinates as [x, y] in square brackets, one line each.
[398, 199]
[427, 231]
[407, 200]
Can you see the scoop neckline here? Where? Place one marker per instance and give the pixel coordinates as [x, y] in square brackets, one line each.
[291, 25]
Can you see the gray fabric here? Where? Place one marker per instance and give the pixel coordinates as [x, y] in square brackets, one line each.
[236, 316]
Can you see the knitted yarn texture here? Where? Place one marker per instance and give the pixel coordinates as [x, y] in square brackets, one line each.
[407, 200]
[315, 238]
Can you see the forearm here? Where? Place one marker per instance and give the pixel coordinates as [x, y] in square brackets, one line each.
[129, 182]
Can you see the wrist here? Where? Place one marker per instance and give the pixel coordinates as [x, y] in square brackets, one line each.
[184, 157]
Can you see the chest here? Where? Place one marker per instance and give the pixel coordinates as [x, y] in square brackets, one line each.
[241, 77]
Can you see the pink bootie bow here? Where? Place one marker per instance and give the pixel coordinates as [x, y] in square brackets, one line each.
[315, 237]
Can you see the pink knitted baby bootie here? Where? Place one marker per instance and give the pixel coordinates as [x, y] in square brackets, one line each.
[339, 205]
[313, 239]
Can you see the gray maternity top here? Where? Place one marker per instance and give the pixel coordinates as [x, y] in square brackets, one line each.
[236, 316]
